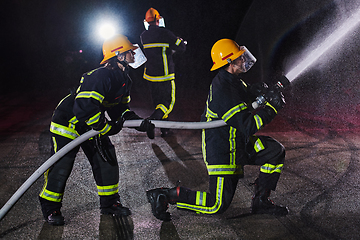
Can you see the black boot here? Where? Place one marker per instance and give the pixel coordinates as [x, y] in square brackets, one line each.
[159, 198]
[116, 209]
[261, 204]
[51, 212]
[55, 218]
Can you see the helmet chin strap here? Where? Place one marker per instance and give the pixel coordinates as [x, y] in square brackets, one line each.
[123, 65]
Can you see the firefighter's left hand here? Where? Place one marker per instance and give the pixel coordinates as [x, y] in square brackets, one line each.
[148, 127]
[275, 98]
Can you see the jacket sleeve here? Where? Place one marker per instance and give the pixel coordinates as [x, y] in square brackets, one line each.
[176, 43]
[87, 106]
[242, 117]
[116, 112]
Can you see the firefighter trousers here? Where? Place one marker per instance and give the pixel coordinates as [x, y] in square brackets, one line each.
[106, 175]
[163, 98]
[222, 187]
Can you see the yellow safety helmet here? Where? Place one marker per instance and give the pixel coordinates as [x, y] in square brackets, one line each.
[224, 51]
[152, 14]
[116, 45]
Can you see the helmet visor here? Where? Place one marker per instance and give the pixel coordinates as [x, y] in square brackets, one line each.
[247, 58]
[139, 56]
[161, 23]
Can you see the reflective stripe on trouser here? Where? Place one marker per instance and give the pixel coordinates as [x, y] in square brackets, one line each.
[163, 96]
[269, 154]
[55, 177]
[219, 198]
[106, 175]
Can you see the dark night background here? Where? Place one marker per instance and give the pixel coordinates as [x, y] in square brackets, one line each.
[41, 42]
[43, 37]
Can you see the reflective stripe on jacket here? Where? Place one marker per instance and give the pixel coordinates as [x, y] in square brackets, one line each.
[159, 45]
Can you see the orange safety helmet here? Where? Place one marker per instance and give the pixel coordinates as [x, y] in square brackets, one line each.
[225, 51]
[116, 45]
[152, 14]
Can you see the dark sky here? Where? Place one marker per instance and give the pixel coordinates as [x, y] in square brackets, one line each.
[43, 37]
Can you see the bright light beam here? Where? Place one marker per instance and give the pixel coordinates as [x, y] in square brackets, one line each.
[336, 36]
[106, 30]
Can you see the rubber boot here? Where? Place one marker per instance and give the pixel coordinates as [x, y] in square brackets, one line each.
[51, 212]
[55, 219]
[261, 204]
[116, 209]
[160, 198]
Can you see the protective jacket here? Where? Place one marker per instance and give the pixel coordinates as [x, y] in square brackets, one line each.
[224, 147]
[159, 44]
[100, 90]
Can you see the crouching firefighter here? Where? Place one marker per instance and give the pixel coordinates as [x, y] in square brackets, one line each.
[227, 149]
[105, 89]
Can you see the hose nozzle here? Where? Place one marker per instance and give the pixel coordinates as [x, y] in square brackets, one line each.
[282, 83]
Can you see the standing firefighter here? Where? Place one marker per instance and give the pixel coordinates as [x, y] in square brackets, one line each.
[159, 46]
[227, 149]
[105, 89]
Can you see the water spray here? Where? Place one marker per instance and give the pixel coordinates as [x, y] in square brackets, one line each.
[282, 83]
[345, 28]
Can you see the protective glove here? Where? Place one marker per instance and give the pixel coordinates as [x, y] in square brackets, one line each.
[275, 98]
[131, 115]
[148, 127]
[104, 123]
[145, 126]
[258, 89]
[116, 127]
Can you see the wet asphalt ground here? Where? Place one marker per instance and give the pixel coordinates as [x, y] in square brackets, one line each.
[320, 182]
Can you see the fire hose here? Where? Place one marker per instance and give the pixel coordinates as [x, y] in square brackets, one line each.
[130, 123]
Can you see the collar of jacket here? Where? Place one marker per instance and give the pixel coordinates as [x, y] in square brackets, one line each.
[153, 26]
[232, 79]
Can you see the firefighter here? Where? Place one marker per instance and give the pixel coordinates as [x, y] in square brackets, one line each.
[227, 149]
[159, 46]
[105, 89]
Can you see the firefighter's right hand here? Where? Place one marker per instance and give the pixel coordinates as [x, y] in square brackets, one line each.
[116, 127]
[276, 99]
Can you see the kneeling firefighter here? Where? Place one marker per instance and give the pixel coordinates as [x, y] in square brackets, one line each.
[227, 149]
[105, 89]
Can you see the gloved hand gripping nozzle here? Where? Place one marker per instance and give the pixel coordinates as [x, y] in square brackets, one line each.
[281, 84]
